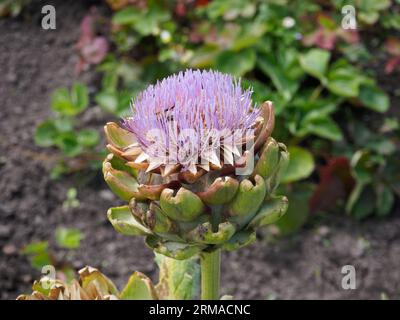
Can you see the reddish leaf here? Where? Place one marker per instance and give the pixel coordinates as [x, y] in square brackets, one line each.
[91, 48]
[348, 36]
[327, 34]
[336, 182]
[202, 3]
[322, 38]
[392, 64]
[95, 51]
[392, 46]
[180, 9]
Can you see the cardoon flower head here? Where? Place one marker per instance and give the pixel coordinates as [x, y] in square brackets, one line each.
[193, 119]
[178, 163]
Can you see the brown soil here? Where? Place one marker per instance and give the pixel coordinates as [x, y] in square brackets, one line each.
[33, 62]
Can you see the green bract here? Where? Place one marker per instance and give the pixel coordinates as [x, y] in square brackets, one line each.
[182, 214]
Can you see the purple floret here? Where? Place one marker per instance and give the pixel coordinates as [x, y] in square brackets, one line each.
[212, 104]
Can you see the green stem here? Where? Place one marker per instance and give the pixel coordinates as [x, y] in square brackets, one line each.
[315, 94]
[210, 274]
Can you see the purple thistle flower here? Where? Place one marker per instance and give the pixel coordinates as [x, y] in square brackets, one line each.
[188, 118]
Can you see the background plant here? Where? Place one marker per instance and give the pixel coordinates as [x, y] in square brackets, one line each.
[60, 131]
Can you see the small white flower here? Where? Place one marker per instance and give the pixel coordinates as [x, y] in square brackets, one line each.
[288, 22]
[165, 36]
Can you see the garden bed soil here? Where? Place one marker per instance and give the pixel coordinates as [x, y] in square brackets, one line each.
[34, 62]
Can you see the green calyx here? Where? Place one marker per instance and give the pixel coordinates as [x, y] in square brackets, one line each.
[117, 136]
[271, 211]
[272, 163]
[269, 159]
[175, 250]
[204, 233]
[221, 191]
[183, 206]
[273, 180]
[124, 222]
[138, 209]
[240, 239]
[120, 182]
[183, 213]
[248, 198]
[156, 220]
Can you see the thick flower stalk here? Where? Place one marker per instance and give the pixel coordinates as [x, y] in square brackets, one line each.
[197, 166]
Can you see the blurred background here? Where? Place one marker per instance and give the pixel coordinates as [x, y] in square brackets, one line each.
[336, 96]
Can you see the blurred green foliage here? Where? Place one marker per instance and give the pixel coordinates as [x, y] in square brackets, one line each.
[321, 89]
[60, 130]
[68, 238]
[41, 255]
[38, 254]
[12, 7]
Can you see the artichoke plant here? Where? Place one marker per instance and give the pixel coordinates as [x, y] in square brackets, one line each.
[92, 285]
[198, 168]
[177, 280]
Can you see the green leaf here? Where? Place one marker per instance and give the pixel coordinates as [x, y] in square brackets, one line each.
[46, 134]
[61, 101]
[68, 238]
[382, 145]
[38, 252]
[149, 23]
[374, 98]
[88, 138]
[139, 287]
[261, 92]
[115, 102]
[108, 101]
[385, 200]
[324, 127]
[315, 62]
[236, 63]
[79, 97]
[70, 104]
[179, 279]
[269, 66]
[248, 36]
[204, 57]
[344, 81]
[71, 200]
[38, 261]
[63, 124]
[373, 5]
[361, 202]
[298, 210]
[369, 17]
[36, 247]
[68, 143]
[127, 16]
[362, 165]
[301, 165]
